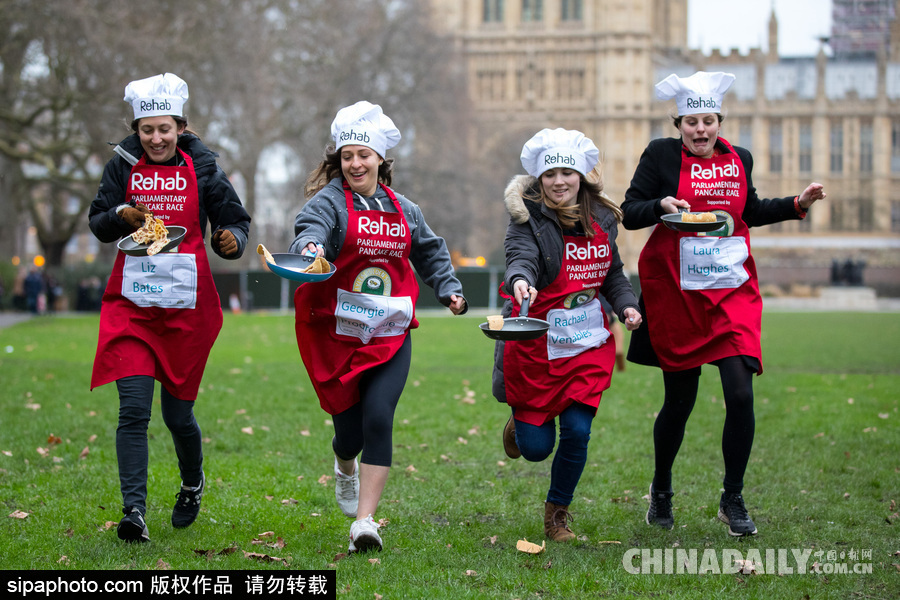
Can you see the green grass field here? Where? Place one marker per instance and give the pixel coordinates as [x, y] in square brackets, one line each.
[824, 475]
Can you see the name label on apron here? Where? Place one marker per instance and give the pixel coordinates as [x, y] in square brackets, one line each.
[365, 316]
[164, 280]
[709, 263]
[574, 330]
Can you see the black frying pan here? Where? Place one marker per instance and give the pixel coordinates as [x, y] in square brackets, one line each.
[673, 221]
[519, 328]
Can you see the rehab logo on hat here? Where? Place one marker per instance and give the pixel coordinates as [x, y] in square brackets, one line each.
[158, 95]
[559, 148]
[364, 124]
[700, 93]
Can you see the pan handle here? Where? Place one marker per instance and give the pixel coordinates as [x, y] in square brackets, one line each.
[523, 311]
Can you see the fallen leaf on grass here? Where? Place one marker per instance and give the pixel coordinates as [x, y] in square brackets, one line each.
[746, 566]
[43, 451]
[92, 439]
[33, 406]
[53, 439]
[530, 548]
[7, 452]
[609, 542]
[262, 557]
[265, 534]
[247, 430]
[411, 469]
[287, 501]
[383, 522]
[18, 514]
[471, 573]
[84, 453]
[375, 561]
[493, 539]
[305, 433]
[324, 479]
[63, 560]
[462, 440]
[109, 525]
[163, 565]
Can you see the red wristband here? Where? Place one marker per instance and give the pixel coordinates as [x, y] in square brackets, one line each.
[800, 210]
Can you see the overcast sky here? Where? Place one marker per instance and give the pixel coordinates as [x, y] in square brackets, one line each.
[744, 24]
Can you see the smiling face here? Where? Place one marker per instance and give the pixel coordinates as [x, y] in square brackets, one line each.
[560, 186]
[159, 137]
[359, 165]
[699, 133]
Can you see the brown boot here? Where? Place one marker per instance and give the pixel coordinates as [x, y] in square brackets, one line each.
[509, 439]
[556, 522]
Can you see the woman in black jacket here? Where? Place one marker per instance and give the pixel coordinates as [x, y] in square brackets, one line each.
[160, 314]
[561, 254]
[699, 290]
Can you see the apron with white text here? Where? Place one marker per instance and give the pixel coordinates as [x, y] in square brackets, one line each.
[700, 289]
[161, 314]
[359, 317]
[574, 362]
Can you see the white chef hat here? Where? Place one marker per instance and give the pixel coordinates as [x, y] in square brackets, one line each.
[157, 95]
[702, 92]
[363, 124]
[563, 148]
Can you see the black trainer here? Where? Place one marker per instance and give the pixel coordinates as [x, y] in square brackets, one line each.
[132, 527]
[660, 511]
[732, 512]
[187, 504]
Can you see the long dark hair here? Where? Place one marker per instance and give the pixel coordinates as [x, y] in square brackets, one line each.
[590, 191]
[330, 167]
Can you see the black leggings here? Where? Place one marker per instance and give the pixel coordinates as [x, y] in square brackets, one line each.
[737, 434]
[368, 425]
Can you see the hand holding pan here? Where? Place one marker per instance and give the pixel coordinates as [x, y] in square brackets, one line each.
[519, 328]
[673, 221]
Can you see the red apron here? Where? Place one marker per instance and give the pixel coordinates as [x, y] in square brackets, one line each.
[358, 318]
[574, 362]
[161, 314]
[700, 290]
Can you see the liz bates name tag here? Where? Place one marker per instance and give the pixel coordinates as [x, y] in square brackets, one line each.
[163, 280]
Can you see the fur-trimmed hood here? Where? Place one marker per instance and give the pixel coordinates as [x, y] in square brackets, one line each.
[514, 198]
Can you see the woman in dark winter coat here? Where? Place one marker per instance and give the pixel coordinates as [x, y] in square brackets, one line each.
[561, 254]
[699, 291]
[160, 314]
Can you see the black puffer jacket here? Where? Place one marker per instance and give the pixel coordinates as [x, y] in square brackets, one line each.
[534, 250]
[219, 202]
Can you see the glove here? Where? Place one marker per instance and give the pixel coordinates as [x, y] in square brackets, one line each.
[136, 216]
[225, 242]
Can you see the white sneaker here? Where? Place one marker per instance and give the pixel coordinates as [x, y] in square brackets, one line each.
[346, 488]
[364, 535]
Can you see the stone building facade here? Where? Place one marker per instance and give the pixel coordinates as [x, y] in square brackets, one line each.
[591, 65]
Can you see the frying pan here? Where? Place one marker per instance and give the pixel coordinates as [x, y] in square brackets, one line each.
[289, 266]
[519, 328]
[673, 221]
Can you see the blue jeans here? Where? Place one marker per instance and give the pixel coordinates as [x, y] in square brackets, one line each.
[536, 444]
[135, 401]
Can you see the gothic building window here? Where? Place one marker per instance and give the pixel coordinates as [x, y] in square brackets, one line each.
[776, 147]
[805, 147]
[493, 11]
[866, 146]
[570, 84]
[746, 136]
[837, 147]
[571, 10]
[895, 147]
[532, 10]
